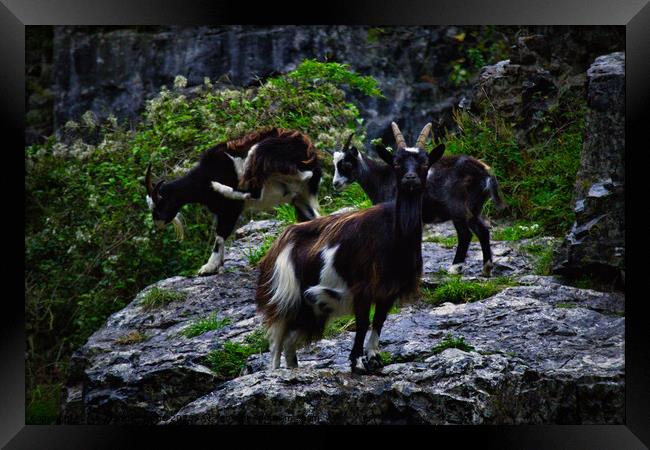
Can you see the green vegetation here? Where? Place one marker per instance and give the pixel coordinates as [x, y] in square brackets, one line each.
[457, 290]
[286, 214]
[258, 341]
[43, 404]
[230, 360]
[537, 181]
[452, 342]
[520, 230]
[90, 242]
[157, 297]
[353, 195]
[132, 337]
[543, 257]
[255, 254]
[204, 325]
[346, 322]
[445, 241]
[477, 47]
[386, 358]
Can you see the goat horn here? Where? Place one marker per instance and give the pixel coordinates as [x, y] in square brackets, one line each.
[423, 136]
[399, 139]
[347, 143]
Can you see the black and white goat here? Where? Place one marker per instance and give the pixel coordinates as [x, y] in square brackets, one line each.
[343, 263]
[457, 188]
[257, 171]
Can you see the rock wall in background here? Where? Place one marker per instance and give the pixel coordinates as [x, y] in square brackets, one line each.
[596, 243]
[116, 69]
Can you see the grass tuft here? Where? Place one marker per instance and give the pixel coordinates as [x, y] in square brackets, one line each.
[286, 214]
[201, 326]
[457, 290]
[255, 255]
[452, 342]
[516, 232]
[228, 361]
[157, 297]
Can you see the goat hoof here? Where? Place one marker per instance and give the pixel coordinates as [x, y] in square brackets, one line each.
[209, 270]
[487, 269]
[455, 269]
[374, 363]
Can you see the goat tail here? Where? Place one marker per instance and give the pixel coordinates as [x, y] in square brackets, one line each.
[492, 185]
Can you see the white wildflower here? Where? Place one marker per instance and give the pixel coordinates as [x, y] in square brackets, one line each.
[112, 120]
[88, 118]
[180, 82]
[71, 125]
[207, 82]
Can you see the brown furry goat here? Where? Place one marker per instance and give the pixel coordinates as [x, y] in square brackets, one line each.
[345, 262]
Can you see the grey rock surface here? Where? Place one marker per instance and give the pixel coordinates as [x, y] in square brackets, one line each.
[596, 242]
[541, 352]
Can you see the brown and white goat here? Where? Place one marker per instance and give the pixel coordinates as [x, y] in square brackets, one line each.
[343, 263]
[257, 171]
[457, 188]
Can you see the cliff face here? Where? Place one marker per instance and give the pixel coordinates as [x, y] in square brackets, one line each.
[115, 70]
[596, 243]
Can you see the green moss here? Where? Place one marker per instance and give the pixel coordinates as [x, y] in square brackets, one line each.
[565, 305]
[452, 342]
[204, 325]
[157, 298]
[386, 358]
[457, 290]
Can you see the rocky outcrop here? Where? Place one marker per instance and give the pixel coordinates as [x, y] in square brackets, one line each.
[596, 242]
[538, 352]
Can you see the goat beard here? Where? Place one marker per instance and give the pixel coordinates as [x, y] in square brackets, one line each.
[177, 223]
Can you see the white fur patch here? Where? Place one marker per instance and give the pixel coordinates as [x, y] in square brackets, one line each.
[229, 192]
[284, 284]
[306, 175]
[455, 269]
[372, 346]
[412, 149]
[150, 203]
[216, 258]
[330, 279]
[338, 179]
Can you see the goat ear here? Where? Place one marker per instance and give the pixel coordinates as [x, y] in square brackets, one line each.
[384, 154]
[436, 153]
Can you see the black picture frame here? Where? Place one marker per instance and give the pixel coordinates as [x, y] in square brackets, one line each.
[16, 14]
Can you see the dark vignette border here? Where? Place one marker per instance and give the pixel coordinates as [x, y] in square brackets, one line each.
[15, 14]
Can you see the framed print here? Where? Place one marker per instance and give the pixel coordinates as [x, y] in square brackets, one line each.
[370, 215]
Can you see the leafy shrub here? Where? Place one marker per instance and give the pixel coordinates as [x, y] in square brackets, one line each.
[90, 242]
